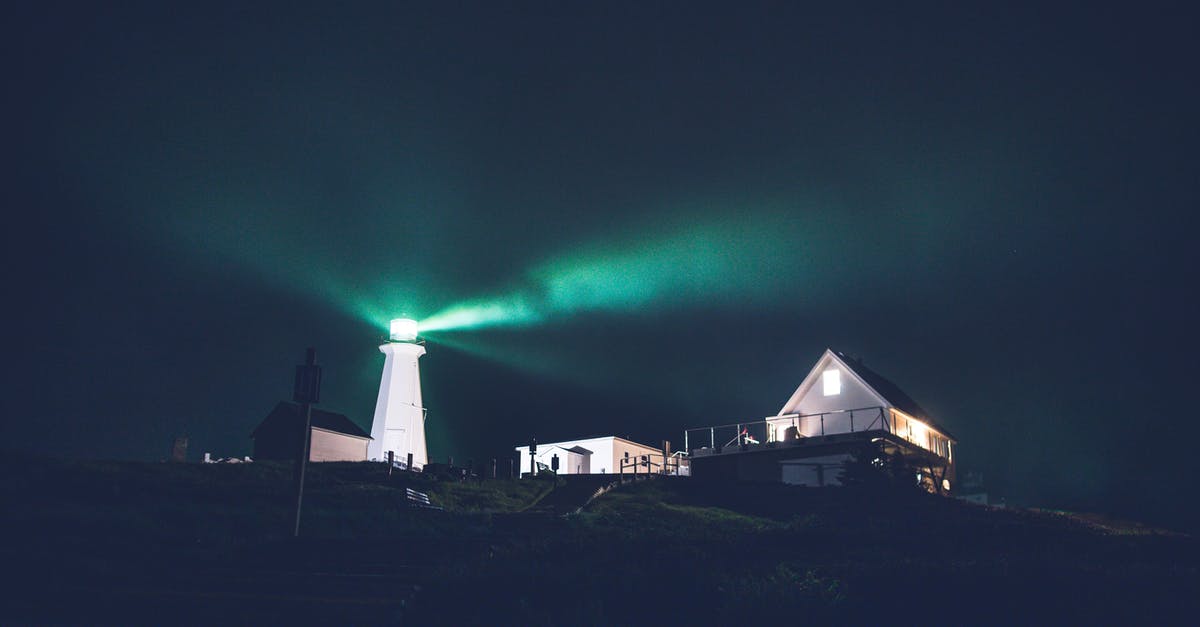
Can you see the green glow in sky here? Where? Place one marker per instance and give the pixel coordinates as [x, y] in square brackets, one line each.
[512, 310]
[708, 263]
[714, 254]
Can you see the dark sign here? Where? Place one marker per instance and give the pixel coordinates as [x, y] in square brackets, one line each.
[308, 381]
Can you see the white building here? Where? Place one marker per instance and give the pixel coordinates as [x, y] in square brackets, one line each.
[595, 456]
[399, 424]
[840, 405]
[839, 390]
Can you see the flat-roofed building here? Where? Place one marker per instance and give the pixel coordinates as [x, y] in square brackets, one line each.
[597, 456]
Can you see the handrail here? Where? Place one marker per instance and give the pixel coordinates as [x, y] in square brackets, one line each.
[670, 465]
[783, 416]
[766, 428]
[792, 428]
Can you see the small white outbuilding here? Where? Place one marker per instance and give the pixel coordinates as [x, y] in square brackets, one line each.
[597, 456]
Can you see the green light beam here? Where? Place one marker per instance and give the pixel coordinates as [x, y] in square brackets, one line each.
[711, 263]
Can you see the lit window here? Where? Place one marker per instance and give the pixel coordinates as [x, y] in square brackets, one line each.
[831, 382]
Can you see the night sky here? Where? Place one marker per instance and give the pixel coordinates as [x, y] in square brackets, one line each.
[661, 212]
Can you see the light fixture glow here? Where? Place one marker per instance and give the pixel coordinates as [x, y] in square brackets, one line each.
[403, 330]
[831, 382]
[918, 433]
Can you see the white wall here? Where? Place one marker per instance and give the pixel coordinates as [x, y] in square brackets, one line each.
[853, 394]
[330, 446]
[601, 449]
[569, 462]
[399, 423]
[811, 399]
[606, 451]
[621, 447]
[579, 464]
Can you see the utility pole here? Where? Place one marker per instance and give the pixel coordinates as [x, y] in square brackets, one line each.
[307, 391]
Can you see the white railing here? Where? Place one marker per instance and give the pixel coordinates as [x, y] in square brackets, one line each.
[660, 464]
[793, 428]
[785, 428]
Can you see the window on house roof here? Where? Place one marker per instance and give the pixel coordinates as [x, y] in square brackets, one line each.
[831, 382]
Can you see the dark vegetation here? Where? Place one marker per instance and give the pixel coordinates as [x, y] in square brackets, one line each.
[122, 543]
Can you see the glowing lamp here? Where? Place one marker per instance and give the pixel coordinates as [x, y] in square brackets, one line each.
[403, 330]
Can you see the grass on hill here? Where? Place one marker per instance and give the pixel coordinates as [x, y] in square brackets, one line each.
[664, 550]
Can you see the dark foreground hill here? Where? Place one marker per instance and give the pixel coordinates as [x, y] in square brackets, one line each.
[132, 543]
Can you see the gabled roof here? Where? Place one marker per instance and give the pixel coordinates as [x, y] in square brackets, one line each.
[287, 415]
[890, 391]
[574, 449]
[882, 387]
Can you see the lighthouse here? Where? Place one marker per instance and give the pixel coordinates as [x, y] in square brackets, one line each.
[399, 424]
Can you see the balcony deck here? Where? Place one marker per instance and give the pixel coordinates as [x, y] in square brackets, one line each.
[797, 430]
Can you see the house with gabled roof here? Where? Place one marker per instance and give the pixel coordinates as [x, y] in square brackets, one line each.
[839, 406]
[335, 438]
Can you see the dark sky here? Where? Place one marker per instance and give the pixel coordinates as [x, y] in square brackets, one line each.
[993, 207]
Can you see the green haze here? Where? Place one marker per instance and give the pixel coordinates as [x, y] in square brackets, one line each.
[711, 263]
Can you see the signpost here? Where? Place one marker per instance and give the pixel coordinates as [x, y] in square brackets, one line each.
[307, 391]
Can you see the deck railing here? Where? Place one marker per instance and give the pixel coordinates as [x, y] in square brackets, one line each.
[785, 428]
[674, 464]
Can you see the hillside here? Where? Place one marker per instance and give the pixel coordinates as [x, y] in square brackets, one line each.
[117, 542]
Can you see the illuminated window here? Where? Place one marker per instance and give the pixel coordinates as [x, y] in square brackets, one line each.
[831, 382]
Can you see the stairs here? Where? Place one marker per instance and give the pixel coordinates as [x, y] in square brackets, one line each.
[575, 492]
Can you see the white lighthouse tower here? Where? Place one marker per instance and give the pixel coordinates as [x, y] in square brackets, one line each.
[399, 424]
